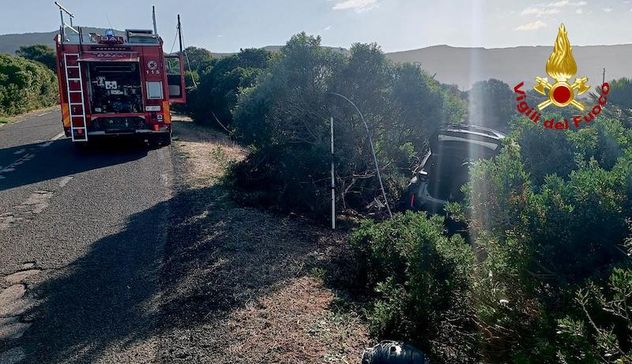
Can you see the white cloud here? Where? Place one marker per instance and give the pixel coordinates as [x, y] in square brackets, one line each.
[563, 3]
[540, 11]
[357, 5]
[531, 26]
[327, 28]
[607, 10]
[558, 4]
[553, 8]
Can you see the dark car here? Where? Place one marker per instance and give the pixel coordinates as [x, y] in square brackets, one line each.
[445, 169]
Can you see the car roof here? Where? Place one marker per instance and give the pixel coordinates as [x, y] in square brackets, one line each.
[461, 137]
[474, 130]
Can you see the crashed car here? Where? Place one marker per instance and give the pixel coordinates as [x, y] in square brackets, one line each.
[445, 169]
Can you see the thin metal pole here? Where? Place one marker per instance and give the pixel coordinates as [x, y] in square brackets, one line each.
[180, 33]
[333, 181]
[153, 18]
[377, 166]
[63, 26]
[63, 10]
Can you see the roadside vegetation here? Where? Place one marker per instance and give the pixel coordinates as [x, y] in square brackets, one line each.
[543, 275]
[39, 53]
[25, 85]
[547, 276]
[280, 106]
[243, 285]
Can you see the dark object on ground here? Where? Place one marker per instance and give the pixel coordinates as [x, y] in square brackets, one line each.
[393, 352]
[446, 167]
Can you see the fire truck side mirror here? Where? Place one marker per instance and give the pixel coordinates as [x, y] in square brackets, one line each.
[175, 79]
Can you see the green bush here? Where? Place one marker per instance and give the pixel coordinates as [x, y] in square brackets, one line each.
[25, 85]
[285, 119]
[420, 280]
[547, 277]
[491, 104]
[40, 53]
[601, 333]
[220, 83]
[547, 223]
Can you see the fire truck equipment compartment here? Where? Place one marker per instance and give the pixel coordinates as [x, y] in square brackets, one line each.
[115, 87]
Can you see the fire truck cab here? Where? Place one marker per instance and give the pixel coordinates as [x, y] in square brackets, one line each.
[117, 84]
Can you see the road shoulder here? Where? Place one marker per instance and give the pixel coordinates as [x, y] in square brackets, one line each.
[6, 120]
[241, 285]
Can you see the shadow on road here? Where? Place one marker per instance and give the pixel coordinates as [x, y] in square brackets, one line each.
[216, 260]
[32, 163]
[102, 299]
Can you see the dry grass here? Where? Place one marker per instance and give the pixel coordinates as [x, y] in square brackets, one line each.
[207, 153]
[295, 325]
[242, 285]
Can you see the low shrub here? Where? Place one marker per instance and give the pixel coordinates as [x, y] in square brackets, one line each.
[420, 282]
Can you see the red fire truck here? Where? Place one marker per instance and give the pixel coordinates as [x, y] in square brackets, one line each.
[117, 83]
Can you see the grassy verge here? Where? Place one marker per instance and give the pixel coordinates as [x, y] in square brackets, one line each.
[242, 285]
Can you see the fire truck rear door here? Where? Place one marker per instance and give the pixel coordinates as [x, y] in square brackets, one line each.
[175, 79]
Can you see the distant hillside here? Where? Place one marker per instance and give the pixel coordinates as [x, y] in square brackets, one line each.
[464, 66]
[277, 48]
[453, 65]
[9, 43]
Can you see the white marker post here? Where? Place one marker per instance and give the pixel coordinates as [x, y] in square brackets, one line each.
[333, 181]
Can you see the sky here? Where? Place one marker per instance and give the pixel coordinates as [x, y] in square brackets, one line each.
[229, 25]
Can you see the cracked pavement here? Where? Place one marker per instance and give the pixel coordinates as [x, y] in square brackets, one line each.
[81, 241]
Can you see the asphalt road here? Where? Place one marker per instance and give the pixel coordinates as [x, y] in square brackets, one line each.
[87, 230]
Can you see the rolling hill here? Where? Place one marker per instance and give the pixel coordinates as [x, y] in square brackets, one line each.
[9, 43]
[464, 66]
[455, 65]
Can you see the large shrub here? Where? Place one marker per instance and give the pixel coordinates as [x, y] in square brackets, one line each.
[40, 53]
[25, 85]
[491, 104]
[220, 83]
[551, 278]
[547, 223]
[285, 119]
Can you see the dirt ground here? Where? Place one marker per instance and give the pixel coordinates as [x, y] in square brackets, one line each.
[242, 285]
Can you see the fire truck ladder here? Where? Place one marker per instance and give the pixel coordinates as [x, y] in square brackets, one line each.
[76, 102]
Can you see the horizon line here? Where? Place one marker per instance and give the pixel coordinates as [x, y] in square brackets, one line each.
[385, 51]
